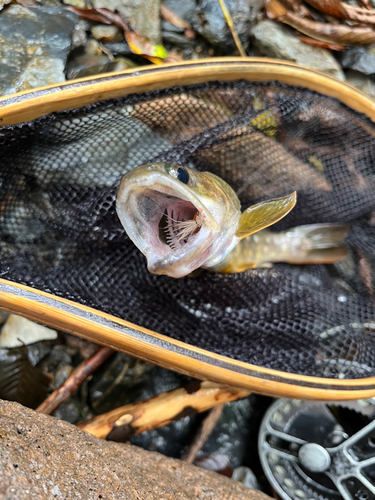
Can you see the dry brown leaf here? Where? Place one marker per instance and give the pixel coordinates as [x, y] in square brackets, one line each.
[344, 11]
[341, 34]
[139, 44]
[319, 43]
[89, 14]
[298, 8]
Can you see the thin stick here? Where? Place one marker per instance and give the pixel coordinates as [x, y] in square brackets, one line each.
[230, 24]
[124, 422]
[72, 383]
[203, 433]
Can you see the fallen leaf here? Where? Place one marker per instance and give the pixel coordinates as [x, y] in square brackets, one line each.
[344, 11]
[138, 43]
[19, 380]
[89, 14]
[319, 43]
[341, 34]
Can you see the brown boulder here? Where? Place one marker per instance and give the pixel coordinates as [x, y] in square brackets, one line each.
[43, 458]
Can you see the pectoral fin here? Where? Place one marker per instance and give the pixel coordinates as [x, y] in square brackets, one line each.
[264, 214]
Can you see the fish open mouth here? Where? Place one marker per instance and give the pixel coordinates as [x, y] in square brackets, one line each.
[170, 222]
[166, 221]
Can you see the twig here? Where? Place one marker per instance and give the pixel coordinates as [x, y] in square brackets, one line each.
[173, 18]
[203, 433]
[177, 21]
[107, 52]
[124, 422]
[230, 24]
[72, 383]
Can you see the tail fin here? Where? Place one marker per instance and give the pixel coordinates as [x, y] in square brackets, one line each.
[321, 244]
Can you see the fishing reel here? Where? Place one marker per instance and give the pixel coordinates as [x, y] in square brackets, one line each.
[319, 451]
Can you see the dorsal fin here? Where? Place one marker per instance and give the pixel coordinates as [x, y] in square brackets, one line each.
[264, 214]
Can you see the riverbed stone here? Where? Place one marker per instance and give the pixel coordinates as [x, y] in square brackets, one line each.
[271, 39]
[208, 20]
[360, 59]
[43, 458]
[362, 82]
[3, 3]
[144, 14]
[34, 45]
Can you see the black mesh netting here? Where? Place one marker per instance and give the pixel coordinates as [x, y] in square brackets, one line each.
[60, 232]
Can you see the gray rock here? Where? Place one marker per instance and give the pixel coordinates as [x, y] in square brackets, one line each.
[34, 45]
[44, 458]
[69, 411]
[186, 9]
[4, 2]
[177, 39]
[364, 83]
[122, 63]
[208, 20]
[360, 59]
[246, 476]
[145, 14]
[79, 36]
[274, 40]
[106, 33]
[121, 380]
[118, 48]
[87, 65]
[61, 375]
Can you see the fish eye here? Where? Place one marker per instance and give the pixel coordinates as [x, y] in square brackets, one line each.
[182, 175]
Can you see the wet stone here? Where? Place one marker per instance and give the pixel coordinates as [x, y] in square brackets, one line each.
[122, 63]
[120, 381]
[186, 9]
[60, 355]
[177, 39]
[271, 39]
[208, 20]
[69, 411]
[360, 59]
[245, 476]
[84, 347]
[38, 351]
[232, 432]
[363, 82]
[34, 45]
[61, 375]
[4, 2]
[88, 65]
[144, 14]
[118, 48]
[79, 36]
[106, 33]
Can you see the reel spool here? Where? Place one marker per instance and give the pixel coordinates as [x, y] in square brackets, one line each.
[319, 451]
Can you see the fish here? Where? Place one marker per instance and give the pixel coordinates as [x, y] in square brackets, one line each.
[183, 220]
